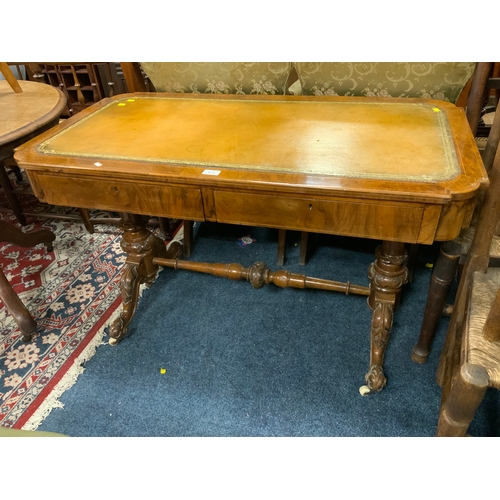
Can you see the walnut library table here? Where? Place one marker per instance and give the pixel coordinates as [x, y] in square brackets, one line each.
[396, 170]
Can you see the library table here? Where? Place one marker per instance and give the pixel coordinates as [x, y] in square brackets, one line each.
[396, 170]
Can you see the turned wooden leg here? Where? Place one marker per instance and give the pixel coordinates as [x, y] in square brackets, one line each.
[467, 391]
[280, 259]
[387, 276]
[16, 308]
[188, 238]
[412, 261]
[443, 275]
[141, 246]
[165, 227]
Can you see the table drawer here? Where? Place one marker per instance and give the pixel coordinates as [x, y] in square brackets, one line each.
[385, 221]
[138, 198]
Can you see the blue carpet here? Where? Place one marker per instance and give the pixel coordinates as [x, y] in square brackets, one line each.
[267, 362]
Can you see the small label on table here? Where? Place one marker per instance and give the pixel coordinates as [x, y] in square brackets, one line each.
[211, 172]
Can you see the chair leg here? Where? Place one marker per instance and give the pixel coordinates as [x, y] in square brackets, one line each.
[188, 238]
[466, 393]
[449, 359]
[11, 197]
[281, 247]
[304, 244]
[165, 227]
[84, 214]
[442, 278]
[412, 261]
[16, 308]
[17, 172]
[9, 297]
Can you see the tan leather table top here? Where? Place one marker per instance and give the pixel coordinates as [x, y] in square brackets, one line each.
[393, 169]
[379, 140]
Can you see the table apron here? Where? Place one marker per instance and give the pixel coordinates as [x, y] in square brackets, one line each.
[409, 222]
[394, 221]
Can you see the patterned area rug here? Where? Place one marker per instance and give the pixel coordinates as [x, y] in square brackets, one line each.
[72, 293]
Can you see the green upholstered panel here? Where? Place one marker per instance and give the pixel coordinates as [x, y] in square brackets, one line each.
[433, 80]
[218, 77]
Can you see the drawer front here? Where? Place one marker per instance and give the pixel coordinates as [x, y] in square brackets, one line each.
[385, 220]
[138, 198]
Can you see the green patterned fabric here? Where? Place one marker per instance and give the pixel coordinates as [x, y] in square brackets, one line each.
[432, 80]
[218, 77]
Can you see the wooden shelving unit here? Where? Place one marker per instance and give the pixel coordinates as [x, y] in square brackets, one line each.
[83, 83]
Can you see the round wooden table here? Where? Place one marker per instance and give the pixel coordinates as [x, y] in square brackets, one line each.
[23, 116]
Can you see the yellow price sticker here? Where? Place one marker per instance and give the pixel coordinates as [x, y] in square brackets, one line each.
[437, 110]
[163, 371]
[130, 100]
[121, 104]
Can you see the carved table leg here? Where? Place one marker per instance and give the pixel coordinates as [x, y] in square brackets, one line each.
[141, 246]
[387, 276]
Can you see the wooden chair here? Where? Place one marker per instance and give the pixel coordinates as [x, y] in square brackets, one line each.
[452, 254]
[228, 78]
[470, 361]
